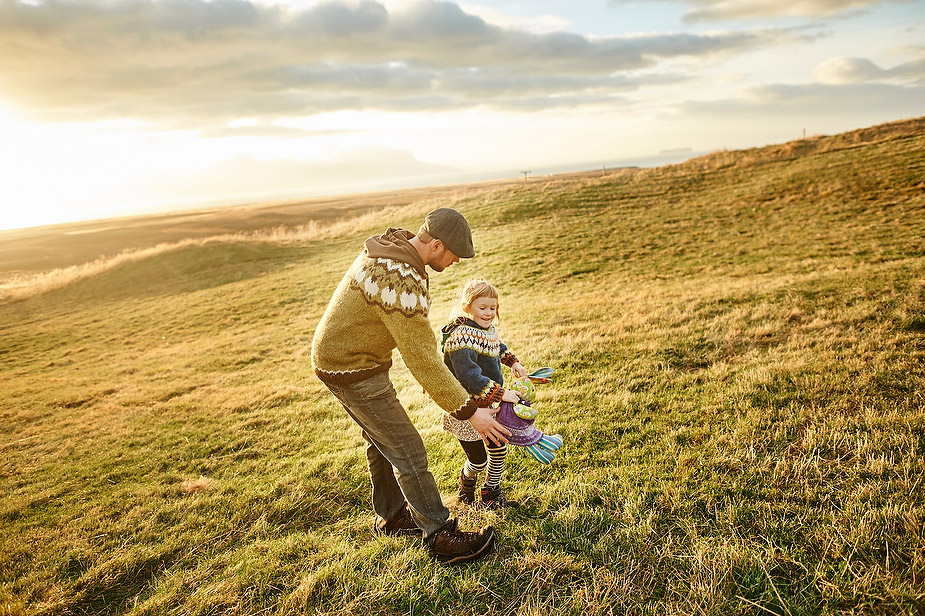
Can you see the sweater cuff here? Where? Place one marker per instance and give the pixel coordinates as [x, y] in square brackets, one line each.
[490, 394]
[466, 411]
[508, 359]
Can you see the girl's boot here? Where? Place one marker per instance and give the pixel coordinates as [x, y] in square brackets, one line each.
[493, 498]
[466, 488]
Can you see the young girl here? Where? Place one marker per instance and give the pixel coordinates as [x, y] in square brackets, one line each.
[474, 354]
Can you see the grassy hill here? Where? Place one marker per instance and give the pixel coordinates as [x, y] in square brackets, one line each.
[739, 344]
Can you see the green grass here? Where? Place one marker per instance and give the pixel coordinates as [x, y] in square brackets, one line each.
[739, 344]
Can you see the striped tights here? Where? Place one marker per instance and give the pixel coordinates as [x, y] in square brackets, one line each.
[477, 460]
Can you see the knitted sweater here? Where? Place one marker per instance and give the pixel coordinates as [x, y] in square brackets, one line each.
[381, 304]
[474, 355]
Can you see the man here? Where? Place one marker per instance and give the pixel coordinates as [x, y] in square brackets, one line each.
[381, 304]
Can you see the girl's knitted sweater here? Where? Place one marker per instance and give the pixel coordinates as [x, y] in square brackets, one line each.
[474, 355]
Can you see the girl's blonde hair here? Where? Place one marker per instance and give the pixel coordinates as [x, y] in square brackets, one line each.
[473, 290]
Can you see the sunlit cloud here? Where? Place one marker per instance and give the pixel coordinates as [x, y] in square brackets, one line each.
[542, 23]
[732, 10]
[837, 71]
[815, 101]
[176, 65]
[268, 131]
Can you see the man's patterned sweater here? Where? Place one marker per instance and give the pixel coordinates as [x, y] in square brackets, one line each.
[381, 304]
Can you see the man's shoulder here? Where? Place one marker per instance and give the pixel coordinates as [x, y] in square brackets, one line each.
[390, 284]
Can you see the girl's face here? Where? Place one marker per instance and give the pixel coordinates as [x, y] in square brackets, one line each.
[483, 310]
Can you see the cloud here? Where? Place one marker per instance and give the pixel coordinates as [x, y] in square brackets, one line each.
[877, 101]
[535, 22]
[187, 64]
[847, 70]
[838, 71]
[263, 130]
[731, 10]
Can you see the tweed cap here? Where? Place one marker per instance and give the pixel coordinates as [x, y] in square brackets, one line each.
[451, 228]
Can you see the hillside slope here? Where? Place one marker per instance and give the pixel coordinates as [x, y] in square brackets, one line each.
[739, 344]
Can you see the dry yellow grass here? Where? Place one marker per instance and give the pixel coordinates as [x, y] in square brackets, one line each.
[739, 380]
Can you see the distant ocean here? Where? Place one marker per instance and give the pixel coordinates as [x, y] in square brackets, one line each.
[666, 158]
[438, 178]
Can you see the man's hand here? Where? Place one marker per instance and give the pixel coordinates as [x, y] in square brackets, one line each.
[488, 427]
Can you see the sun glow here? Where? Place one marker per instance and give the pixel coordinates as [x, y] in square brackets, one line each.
[33, 189]
[55, 173]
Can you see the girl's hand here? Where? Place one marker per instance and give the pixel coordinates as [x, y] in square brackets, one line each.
[511, 396]
[518, 370]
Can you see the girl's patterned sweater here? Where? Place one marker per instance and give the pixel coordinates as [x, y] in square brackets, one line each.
[474, 355]
[381, 304]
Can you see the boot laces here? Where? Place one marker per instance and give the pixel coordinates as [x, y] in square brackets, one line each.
[456, 536]
[453, 536]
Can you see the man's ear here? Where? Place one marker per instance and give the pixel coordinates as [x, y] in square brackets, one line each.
[436, 245]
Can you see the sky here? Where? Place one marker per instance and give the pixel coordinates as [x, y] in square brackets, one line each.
[112, 108]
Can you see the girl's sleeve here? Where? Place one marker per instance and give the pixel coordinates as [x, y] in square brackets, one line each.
[482, 389]
[507, 358]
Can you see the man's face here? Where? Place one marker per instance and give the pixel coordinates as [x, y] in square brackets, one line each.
[442, 258]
